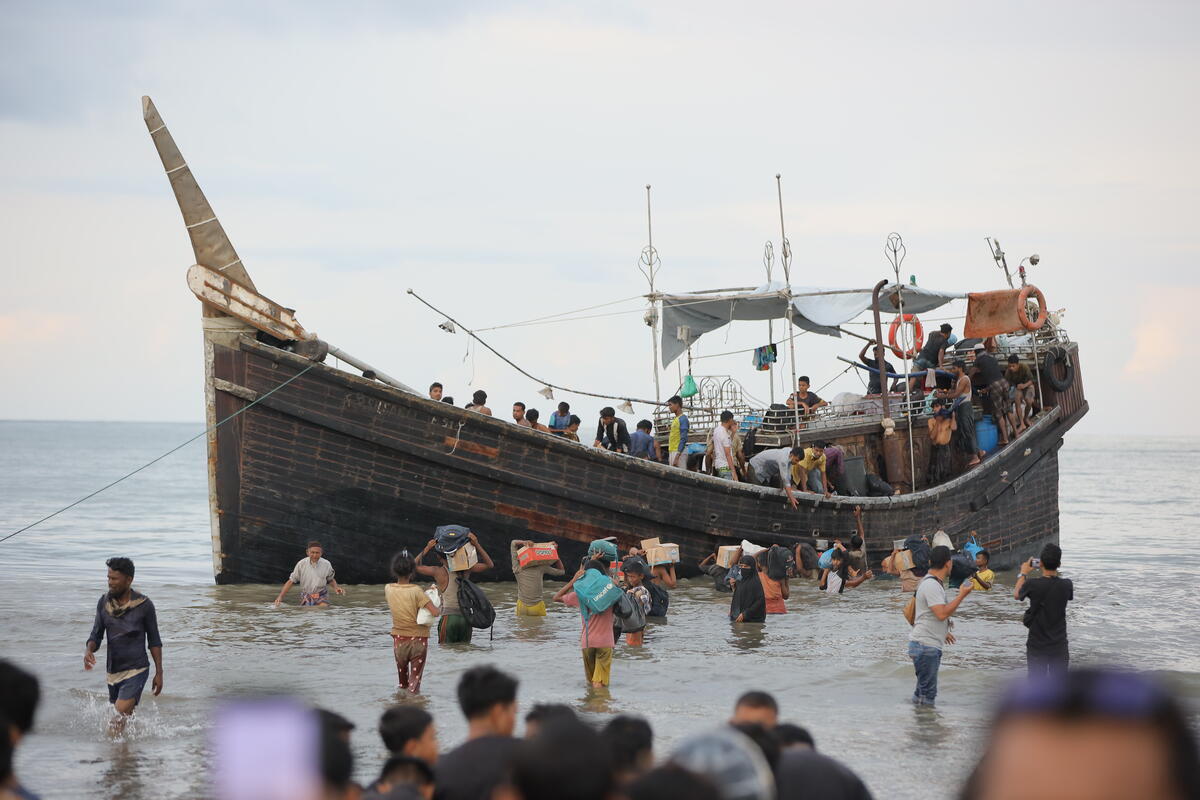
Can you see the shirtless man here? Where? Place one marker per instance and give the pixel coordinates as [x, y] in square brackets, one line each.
[519, 415]
[960, 396]
[479, 403]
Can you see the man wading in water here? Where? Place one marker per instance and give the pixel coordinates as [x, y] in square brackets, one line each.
[314, 575]
[129, 620]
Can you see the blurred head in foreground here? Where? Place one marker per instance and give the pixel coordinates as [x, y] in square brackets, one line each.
[1089, 733]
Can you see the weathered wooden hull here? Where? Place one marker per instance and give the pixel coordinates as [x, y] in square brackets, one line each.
[369, 470]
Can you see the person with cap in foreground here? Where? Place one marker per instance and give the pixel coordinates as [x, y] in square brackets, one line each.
[448, 539]
[596, 640]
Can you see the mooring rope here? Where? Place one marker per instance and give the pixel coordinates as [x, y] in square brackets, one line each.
[205, 432]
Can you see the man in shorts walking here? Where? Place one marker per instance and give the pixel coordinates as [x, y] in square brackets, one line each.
[131, 624]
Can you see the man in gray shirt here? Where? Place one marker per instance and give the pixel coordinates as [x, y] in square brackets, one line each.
[931, 624]
[774, 468]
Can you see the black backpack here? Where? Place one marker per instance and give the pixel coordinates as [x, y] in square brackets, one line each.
[920, 551]
[780, 563]
[660, 599]
[962, 567]
[630, 616]
[474, 605]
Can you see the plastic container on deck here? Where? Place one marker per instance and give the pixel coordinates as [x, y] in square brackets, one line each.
[987, 434]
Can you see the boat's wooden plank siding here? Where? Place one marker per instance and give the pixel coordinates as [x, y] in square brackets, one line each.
[369, 471]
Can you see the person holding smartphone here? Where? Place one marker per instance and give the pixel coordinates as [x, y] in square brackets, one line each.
[1046, 648]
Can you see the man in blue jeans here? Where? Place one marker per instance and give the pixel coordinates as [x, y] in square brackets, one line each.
[931, 624]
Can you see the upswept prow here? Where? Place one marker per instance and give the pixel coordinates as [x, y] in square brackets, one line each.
[209, 242]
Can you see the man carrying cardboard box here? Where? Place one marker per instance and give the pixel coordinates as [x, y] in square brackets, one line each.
[448, 539]
[530, 602]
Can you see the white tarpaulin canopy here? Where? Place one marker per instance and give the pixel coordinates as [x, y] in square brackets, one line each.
[686, 317]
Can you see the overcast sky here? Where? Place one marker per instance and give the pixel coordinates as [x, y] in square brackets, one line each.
[493, 157]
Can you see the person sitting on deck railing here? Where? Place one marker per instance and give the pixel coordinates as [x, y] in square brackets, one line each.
[519, 415]
[1021, 391]
[774, 468]
[933, 354]
[642, 442]
[560, 419]
[809, 472]
[479, 403]
[803, 399]
[997, 401]
[874, 379]
[572, 430]
[960, 396]
[612, 433]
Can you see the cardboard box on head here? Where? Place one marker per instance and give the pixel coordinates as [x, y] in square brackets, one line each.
[728, 555]
[662, 554]
[903, 560]
[463, 558]
[649, 543]
[543, 553]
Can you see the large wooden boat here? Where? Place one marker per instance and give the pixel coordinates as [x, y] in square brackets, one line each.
[299, 450]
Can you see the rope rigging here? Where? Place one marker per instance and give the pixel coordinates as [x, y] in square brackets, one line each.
[151, 463]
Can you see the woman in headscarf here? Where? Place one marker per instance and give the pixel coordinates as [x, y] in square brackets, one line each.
[749, 603]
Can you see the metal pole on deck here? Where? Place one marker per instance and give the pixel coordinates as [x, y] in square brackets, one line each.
[786, 258]
[649, 264]
[895, 250]
[768, 261]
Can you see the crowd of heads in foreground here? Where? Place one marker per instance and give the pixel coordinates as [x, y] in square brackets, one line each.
[1088, 733]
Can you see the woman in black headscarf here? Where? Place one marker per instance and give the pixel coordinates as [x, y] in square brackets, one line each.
[749, 603]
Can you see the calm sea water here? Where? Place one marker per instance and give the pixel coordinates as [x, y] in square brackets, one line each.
[837, 665]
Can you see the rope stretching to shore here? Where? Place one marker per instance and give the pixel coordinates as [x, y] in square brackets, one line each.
[204, 432]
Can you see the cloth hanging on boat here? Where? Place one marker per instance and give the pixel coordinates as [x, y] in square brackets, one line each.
[765, 356]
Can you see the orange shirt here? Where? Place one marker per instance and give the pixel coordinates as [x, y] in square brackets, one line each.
[774, 592]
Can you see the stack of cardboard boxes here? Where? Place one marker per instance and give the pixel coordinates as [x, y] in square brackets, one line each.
[659, 553]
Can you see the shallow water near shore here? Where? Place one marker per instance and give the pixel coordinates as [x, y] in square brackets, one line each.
[837, 665]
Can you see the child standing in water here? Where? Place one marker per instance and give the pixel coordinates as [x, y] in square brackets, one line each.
[410, 641]
[635, 577]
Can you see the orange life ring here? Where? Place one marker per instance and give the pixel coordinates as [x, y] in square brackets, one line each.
[918, 334]
[1023, 314]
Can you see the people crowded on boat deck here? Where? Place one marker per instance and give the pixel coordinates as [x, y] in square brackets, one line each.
[774, 468]
[749, 602]
[642, 443]
[941, 425]
[530, 602]
[960, 397]
[596, 640]
[518, 413]
[314, 575]
[560, 419]
[635, 587]
[479, 403]
[984, 577]
[775, 590]
[996, 397]
[1021, 390]
[474, 769]
[612, 433]
[677, 438]
[572, 430]
[435, 391]
[722, 439]
[803, 399]
[932, 624]
[452, 625]
[719, 574]
[410, 637]
[874, 380]
[532, 416]
[809, 471]
[130, 622]
[1046, 646]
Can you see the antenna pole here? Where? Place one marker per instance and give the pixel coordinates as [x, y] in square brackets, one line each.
[786, 258]
[649, 266]
[895, 250]
[768, 262]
